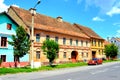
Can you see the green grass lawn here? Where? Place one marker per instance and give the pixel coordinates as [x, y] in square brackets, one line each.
[44, 68]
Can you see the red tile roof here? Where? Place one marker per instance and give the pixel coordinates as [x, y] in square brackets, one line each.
[118, 39]
[89, 32]
[106, 42]
[48, 23]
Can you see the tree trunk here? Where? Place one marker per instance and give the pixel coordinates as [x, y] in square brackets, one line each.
[50, 62]
[17, 61]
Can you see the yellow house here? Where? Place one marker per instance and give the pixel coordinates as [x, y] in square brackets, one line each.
[75, 44]
[96, 42]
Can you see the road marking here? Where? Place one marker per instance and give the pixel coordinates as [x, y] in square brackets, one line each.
[69, 79]
[99, 71]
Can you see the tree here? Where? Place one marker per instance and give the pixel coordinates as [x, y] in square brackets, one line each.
[21, 43]
[0, 61]
[50, 48]
[111, 51]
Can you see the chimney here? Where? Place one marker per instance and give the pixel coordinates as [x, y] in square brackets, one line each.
[59, 18]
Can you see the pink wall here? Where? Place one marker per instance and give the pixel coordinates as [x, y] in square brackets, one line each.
[12, 64]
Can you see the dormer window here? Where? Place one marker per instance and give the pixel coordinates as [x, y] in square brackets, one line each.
[9, 26]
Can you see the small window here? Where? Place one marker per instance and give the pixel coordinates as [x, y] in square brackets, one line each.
[71, 42]
[64, 55]
[9, 26]
[86, 43]
[99, 42]
[37, 37]
[64, 41]
[47, 37]
[99, 52]
[3, 41]
[37, 54]
[56, 39]
[82, 54]
[3, 58]
[81, 43]
[86, 54]
[76, 42]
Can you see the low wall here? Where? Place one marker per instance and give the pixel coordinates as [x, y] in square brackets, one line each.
[13, 64]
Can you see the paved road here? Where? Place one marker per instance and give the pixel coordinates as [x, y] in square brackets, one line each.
[108, 71]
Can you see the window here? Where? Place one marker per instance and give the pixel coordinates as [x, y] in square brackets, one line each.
[56, 39]
[92, 42]
[64, 55]
[86, 43]
[3, 57]
[9, 26]
[99, 43]
[3, 41]
[76, 42]
[71, 42]
[82, 54]
[47, 37]
[64, 41]
[37, 37]
[37, 54]
[99, 52]
[111, 41]
[86, 54]
[81, 43]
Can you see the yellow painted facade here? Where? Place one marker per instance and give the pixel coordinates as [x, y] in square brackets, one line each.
[97, 48]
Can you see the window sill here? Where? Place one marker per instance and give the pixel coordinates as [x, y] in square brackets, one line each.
[4, 47]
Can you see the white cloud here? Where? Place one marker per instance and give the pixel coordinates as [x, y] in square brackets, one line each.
[116, 24]
[114, 10]
[118, 33]
[97, 19]
[3, 7]
[103, 5]
[15, 5]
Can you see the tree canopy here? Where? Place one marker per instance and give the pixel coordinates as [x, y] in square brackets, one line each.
[21, 43]
[111, 50]
[50, 48]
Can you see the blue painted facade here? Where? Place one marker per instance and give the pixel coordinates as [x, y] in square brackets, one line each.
[7, 50]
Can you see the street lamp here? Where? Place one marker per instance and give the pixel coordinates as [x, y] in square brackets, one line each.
[33, 12]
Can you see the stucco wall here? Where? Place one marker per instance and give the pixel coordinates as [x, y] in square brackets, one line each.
[4, 32]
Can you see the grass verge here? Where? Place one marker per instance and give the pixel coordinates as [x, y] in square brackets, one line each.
[4, 71]
[43, 68]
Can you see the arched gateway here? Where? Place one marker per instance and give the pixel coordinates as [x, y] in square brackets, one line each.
[74, 55]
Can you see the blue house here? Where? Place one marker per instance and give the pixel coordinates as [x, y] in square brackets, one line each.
[7, 28]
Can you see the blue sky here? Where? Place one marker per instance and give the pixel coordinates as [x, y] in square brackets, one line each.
[102, 16]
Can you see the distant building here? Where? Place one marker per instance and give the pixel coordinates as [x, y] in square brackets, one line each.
[7, 29]
[75, 44]
[116, 41]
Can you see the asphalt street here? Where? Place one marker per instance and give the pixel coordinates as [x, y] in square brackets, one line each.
[107, 71]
